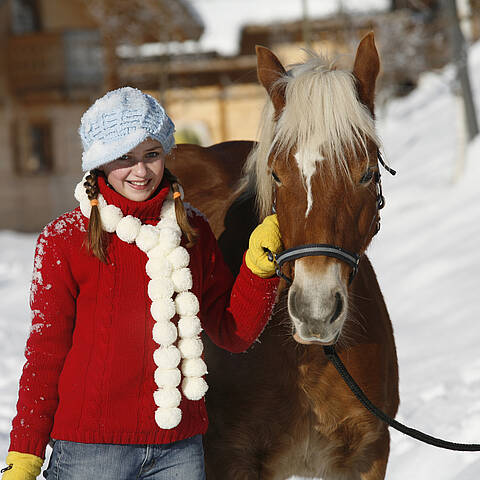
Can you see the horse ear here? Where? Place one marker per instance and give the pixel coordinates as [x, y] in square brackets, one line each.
[269, 70]
[366, 68]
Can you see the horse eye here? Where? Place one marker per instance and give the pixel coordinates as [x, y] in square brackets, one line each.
[367, 176]
[275, 177]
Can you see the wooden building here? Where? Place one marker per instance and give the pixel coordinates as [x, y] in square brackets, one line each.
[53, 64]
[58, 56]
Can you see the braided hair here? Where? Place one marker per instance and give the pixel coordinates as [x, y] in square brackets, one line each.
[96, 237]
[188, 231]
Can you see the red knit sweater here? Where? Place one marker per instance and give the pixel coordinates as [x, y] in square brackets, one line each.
[89, 371]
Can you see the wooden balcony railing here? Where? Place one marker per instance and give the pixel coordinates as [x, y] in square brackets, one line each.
[36, 62]
[53, 62]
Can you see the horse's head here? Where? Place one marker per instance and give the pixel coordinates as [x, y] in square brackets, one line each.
[316, 162]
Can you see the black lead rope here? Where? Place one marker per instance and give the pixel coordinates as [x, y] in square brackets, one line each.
[6, 468]
[411, 432]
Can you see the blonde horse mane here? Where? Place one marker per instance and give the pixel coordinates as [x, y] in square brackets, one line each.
[323, 118]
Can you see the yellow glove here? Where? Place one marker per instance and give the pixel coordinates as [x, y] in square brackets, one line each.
[24, 466]
[266, 235]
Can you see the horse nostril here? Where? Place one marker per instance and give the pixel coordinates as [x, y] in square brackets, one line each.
[338, 307]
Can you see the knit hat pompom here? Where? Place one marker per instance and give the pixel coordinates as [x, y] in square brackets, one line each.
[189, 327]
[182, 279]
[110, 216]
[179, 257]
[79, 192]
[167, 378]
[168, 211]
[169, 223]
[190, 347]
[167, 397]
[85, 207]
[194, 388]
[160, 288]
[187, 304]
[118, 122]
[194, 367]
[147, 238]
[163, 310]
[164, 333]
[128, 228]
[167, 418]
[158, 267]
[167, 357]
[170, 239]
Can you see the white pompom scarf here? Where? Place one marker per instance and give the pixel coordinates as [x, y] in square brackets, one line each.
[169, 290]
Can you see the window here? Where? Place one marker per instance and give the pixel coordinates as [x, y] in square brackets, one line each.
[32, 148]
[83, 58]
[24, 16]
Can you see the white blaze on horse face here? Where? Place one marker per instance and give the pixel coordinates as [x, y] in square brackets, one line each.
[307, 164]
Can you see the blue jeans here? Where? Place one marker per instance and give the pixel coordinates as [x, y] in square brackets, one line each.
[182, 460]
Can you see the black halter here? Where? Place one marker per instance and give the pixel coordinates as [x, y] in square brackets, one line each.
[328, 250]
[311, 250]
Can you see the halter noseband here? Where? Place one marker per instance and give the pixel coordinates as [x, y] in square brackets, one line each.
[328, 250]
[313, 250]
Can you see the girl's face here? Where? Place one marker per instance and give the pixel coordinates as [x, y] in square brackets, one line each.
[137, 174]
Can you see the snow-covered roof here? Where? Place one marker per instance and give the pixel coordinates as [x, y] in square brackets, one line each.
[223, 19]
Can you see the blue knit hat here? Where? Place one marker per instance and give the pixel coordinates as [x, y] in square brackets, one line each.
[118, 122]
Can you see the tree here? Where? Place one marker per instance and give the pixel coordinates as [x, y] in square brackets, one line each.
[135, 22]
[460, 59]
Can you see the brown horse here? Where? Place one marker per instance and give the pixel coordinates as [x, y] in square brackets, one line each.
[281, 409]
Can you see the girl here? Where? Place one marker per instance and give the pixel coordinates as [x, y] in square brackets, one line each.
[122, 287]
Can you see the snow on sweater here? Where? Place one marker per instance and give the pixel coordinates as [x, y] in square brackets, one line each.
[89, 371]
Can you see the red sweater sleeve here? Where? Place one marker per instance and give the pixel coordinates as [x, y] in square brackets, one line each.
[52, 302]
[233, 316]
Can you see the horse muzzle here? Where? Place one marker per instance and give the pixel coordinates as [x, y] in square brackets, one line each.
[317, 318]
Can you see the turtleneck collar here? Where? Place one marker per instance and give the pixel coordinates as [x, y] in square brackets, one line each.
[147, 210]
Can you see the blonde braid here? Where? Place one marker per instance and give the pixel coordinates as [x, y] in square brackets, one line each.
[96, 238]
[190, 233]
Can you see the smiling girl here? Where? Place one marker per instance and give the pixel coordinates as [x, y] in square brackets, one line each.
[122, 288]
[138, 173]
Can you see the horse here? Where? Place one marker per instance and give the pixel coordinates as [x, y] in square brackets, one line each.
[281, 409]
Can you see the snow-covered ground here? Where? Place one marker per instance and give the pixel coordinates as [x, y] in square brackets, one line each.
[427, 258]
[428, 262]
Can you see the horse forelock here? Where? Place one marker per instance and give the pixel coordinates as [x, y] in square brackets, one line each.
[323, 119]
